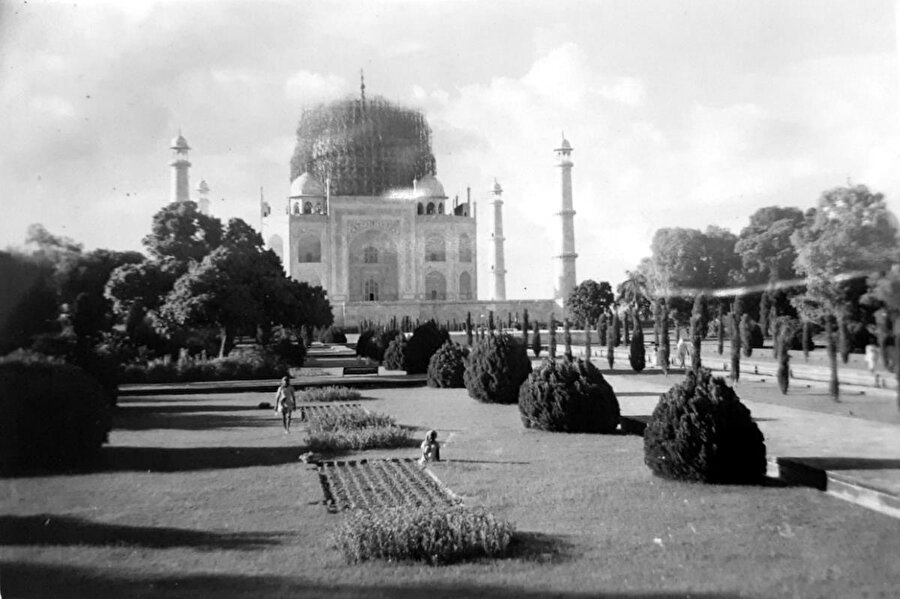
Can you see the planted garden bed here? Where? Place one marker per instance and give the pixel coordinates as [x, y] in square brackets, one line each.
[381, 484]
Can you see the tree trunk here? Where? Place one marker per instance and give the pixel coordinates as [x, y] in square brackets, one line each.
[831, 342]
[805, 340]
[720, 330]
[897, 358]
[227, 342]
[587, 341]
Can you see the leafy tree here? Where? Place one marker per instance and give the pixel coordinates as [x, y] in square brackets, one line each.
[849, 235]
[886, 289]
[29, 303]
[634, 291]
[589, 300]
[182, 232]
[765, 247]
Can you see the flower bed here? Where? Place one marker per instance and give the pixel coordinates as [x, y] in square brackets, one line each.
[381, 484]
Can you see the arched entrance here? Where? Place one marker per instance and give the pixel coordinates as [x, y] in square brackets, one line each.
[373, 272]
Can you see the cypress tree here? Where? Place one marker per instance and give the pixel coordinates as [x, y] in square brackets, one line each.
[773, 316]
[617, 328]
[601, 328]
[655, 308]
[701, 310]
[627, 324]
[831, 347]
[776, 346]
[720, 329]
[736, 341]
[525, 326]
[882, 334]
[663, 357]
[695, 342]
[587, 340]
[764, 316]
[469, 339]
[611, 346]
[567, 338]
[805, 340]
[491, 321]
[746, 344]
[783, 333]
[536, 340]
[636, 356]
[551, 349]
[843, 338]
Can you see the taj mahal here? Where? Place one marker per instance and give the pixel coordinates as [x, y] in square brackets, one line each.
[367, 219]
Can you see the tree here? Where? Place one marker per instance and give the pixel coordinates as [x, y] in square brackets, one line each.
[551, 347]
[886, 289]
[29, 303]
[765, 247]
[182, 232]
[567, 338]
[536, 341]
[634, 291]
[764, 314]
[589, 300]
[736, 340]
[849, 235]
[663, 353]
[637, 357]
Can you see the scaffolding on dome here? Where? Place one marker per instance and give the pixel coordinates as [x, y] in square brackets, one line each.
[364, 147]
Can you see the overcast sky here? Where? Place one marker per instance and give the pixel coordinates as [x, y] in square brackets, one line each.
[681, 113]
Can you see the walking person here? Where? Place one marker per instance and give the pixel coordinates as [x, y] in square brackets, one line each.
[285, 403]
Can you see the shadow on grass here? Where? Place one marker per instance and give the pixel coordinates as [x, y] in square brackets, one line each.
[52, 580]
[137, 419]
[183, 459]
[52, 530]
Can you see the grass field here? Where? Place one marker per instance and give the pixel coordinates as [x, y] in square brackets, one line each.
[203, 496]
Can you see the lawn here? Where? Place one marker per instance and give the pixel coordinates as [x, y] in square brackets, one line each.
[204, 496]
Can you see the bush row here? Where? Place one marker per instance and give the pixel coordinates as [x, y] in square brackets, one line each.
[432, 535]
[189, 368]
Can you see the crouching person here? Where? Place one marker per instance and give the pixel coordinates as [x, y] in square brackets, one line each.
[431, 449]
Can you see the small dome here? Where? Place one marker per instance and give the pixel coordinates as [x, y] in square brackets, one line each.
[429, 187]
[307, 185]
[180, 143]
[203, 187]
[497, 189]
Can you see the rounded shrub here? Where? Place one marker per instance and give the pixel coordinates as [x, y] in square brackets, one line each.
[700, 431]
[570, 396]
[52, 415]
[395, 352]
[425, 340]
[333, 334]
[495, 368]
[447, 366]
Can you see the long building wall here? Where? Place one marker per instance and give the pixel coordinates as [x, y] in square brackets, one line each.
[351, 314]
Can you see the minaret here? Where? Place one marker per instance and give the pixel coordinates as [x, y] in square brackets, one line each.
[566, 269]
[203, 197]
[181, 191]
[499, 267]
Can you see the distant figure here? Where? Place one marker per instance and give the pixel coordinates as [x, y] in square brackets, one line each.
[285, 403]
[651, 357]
[873, 355]
[431, 449]
[682, 350]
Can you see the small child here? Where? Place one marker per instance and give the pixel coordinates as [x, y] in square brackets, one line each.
[431, 449]
[285, 402]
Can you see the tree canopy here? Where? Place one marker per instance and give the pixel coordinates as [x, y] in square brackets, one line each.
[765, 247]
[589, 300]
[184, 233]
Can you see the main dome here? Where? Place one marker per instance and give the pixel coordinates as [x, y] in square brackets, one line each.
[365, 147]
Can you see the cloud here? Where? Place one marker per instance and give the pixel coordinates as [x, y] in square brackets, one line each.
[312, 87]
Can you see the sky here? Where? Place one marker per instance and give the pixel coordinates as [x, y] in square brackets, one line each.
[683, 113]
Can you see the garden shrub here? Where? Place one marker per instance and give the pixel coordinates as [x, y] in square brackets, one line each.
[333, 334]
[292, 353]
[434, 535]
[425, 340]
[700, 431]
[362, 343]
[447, 366]
[395, 352]
[337, 432]
[53, 415]
[570, 396]
[331, 393]
[189, 368]
[495, 368]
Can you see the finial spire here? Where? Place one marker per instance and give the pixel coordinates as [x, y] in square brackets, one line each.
[362, 86]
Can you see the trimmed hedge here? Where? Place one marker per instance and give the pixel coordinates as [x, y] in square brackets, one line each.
[188, 369]
[330, 393]
[434, 535]
[448, 366]
[52, 415]
[570, 396]
[495, 368]
[700, 431]
[395, 353]
[425, 341]
[333, 334]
